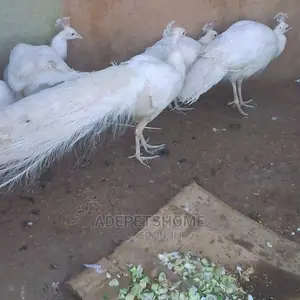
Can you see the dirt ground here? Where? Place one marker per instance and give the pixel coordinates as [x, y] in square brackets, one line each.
[253, 164]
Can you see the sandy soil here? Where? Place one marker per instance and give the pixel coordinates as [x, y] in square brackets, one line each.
[250, 163]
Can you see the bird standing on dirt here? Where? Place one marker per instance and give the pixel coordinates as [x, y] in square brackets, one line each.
[245, 49]
[35, 132]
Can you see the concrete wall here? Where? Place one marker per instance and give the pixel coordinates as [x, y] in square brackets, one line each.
[116, 29]
[29, 21]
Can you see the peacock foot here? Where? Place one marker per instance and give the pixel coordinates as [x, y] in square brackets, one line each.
[237, 104]
[141, 159]
[242, 112]
[148, 147]
[179, 109]
[244, 103]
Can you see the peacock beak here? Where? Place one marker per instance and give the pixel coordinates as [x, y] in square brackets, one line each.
[79, 36]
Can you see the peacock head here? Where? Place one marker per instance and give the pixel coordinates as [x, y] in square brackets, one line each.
[68, 32]
[282, 26]
[177, 33]
[175, 57]
[210, 33]
[71, 34]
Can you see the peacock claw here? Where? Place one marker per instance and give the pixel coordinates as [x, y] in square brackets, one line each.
[146, 146]
[248, 101]
[242, 112]
[249, 106]
[181, 110]
[245, 104]
[178, 111]
[231, 103]
[154, 150]
[142, 158]
[236, 104]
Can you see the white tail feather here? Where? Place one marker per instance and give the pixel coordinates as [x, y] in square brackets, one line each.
[202, 76]
[43, 127]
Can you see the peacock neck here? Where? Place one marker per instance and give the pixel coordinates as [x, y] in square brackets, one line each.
[60, 45]
[205, 39]
[281, 41]
[175, 59]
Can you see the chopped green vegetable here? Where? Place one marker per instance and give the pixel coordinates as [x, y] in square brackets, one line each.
[113, 283]
[129, 297]
[162, 277]
[200, 280]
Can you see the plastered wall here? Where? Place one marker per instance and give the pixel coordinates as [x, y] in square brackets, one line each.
[29, 21]
[117, 29]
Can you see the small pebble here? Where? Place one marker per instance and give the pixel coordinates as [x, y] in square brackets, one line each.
[55, 286]
[27, 224]
[239, 268]
[54, 266]
[293, 233]
[269, 245]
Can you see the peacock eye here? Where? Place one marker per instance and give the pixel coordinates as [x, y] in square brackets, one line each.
[73, 33]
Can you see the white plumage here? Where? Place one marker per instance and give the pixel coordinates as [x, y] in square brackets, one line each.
[243, 50]
[190, 48]
[7, 96]
[48, 124]
[33, 68]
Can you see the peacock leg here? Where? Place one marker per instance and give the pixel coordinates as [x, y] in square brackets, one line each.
[236, 100]
[179, 109]
[138, 138]
[242, 102]
[148, 147]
